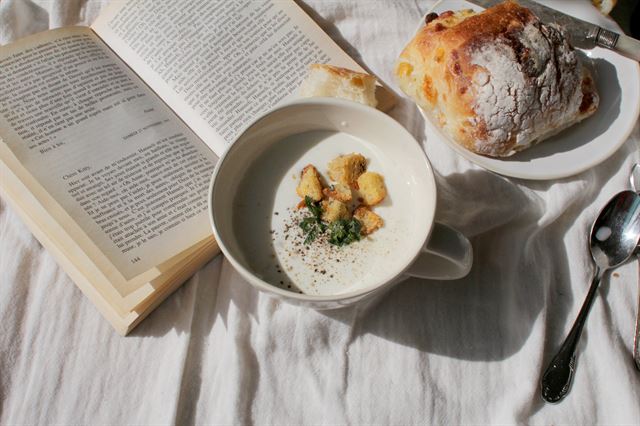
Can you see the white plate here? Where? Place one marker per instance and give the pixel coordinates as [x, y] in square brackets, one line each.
[586, 144]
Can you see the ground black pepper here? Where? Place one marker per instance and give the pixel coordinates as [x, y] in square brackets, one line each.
[316, 256]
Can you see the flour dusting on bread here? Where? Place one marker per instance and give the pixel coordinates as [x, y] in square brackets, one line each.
[498, 81]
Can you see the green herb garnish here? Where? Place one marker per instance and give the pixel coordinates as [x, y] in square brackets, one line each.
[344, 231]
[312, 226]
[341, 232]
[314, 207]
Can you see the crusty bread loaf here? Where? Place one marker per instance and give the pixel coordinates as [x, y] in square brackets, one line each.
[496, 82]
[332, 81]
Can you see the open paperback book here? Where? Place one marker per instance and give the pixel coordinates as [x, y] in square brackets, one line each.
[110, 133]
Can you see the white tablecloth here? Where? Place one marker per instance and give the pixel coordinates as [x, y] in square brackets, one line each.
[467, 351]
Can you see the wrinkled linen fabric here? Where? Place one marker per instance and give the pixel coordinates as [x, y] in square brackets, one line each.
[430, 352]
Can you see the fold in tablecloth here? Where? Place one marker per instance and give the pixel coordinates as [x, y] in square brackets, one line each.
[468, 351]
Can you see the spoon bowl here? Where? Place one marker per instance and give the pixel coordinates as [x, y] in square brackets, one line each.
[614, 237]
[615, 233]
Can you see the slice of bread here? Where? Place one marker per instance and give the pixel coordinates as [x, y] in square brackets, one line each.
[331, 81]
[605, 6]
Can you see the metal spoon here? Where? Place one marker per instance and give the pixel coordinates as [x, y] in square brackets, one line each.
[614, 237]
[635, 180]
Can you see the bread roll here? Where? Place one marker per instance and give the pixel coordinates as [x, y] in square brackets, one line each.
[496, 82]
[331, 81]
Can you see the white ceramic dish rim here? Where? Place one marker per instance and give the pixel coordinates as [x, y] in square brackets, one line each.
[265, 286]
[492, 164]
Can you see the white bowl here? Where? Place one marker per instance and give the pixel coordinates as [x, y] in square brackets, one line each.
[253, 199]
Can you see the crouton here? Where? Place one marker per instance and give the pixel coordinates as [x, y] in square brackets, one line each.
[345, 169]
[333, 210]
[371, 188]
[338, 191]
[310, 184]
[370, 221]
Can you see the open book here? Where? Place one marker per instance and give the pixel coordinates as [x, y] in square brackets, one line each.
[110, 133]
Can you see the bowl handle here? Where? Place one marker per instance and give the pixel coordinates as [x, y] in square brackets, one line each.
[448, 255]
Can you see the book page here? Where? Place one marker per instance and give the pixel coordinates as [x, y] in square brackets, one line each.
[218, 65]
[124, 170]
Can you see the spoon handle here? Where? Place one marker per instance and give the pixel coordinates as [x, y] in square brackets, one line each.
[556, 380]
[636, 338]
